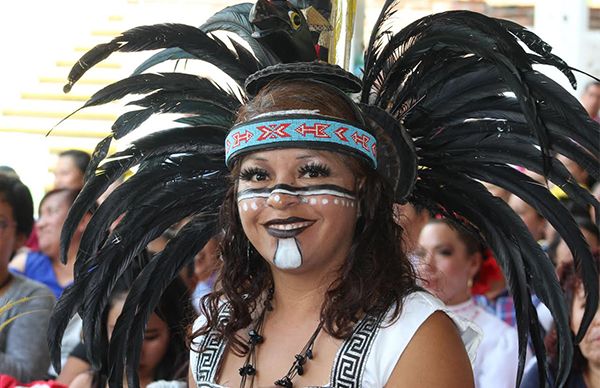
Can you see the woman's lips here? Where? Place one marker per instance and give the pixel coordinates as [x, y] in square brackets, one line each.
[287, 228]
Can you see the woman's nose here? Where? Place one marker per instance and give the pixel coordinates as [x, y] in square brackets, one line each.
[280, 200]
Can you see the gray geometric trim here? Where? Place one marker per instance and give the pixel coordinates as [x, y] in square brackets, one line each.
[212, 347]
[352, 356]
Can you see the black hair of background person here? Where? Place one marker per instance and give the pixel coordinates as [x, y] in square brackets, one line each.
[81, 158]
[18, 197]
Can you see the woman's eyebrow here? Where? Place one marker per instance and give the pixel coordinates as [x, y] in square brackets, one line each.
[256, 158]
[307, 156]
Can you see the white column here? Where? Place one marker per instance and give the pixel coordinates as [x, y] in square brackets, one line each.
[564, 25]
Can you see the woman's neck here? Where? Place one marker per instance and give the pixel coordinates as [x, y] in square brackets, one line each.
[296, 295]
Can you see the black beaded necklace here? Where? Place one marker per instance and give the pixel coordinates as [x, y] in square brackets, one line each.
[255, 337]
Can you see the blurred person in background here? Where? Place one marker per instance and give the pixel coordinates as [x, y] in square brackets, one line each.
[536, 224]
[585, 370]
[206, 267]
[70, 169]
[590, 99]
[24, 352]
[45, 265]
[164, 354]
[590, 232]
[453, 257]
[412, 219]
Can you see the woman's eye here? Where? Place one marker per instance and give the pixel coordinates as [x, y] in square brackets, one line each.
[314, 171]
[254, 174]
[446, 252]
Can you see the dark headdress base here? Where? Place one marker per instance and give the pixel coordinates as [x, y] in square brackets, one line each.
[316, 71]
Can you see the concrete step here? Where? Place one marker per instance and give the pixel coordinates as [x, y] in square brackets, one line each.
[33, 114]
[60, 107]
[58, 132]
[83, 128]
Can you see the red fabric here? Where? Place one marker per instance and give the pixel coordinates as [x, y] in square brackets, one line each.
[7, 381]
[488, 273]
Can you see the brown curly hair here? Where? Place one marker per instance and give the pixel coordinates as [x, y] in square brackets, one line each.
[377, 273]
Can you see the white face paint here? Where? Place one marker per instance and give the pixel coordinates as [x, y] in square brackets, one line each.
[287, 254]
[315, 196]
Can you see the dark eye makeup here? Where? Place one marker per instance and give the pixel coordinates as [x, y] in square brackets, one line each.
[253, 174]
[311, 170]
[314, 170]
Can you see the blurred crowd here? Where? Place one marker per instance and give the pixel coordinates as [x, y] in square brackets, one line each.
[453, 263]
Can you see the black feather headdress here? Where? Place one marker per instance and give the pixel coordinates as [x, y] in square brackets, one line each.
[452, 99]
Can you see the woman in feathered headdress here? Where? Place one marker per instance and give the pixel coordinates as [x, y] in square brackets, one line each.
[314, 287]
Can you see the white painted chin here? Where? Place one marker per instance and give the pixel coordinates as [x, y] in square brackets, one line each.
[287, 254]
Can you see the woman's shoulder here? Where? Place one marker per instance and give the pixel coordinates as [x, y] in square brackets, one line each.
[395, 334]
[436, 345]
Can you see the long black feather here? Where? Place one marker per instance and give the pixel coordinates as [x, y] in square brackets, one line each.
[128, 332]
[188, 38]
[172, 204]
[468, 198]
[177, 140]
[498, 236]
[559, 217]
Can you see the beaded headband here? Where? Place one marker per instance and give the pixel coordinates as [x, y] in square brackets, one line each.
[288, 130]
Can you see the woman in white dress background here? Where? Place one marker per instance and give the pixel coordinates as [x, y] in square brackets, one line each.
[452, 258]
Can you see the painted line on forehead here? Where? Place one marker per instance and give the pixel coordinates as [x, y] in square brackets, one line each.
[333, 190]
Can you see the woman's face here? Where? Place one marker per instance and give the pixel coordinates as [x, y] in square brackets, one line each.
[590, 345]
[298, 207]
[563, 253]
[156, 338]
[67, 175]
[53, 213]
[447, 266]
[10, 240]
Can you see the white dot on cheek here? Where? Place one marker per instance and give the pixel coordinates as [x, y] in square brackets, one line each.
[325, 201]
[313, 201]
[277, 198]
[336, 201]
[245, 207]
[254, 206]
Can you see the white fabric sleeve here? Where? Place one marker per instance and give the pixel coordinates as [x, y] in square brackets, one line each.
[499, 354]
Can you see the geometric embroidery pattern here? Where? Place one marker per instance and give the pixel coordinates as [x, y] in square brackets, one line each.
[350, 363]
[305, 128]
[212, 349]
